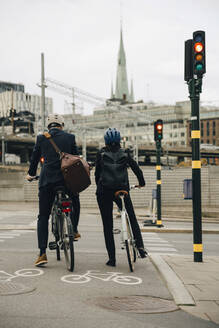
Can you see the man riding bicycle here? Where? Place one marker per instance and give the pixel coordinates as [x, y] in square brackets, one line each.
[51, 177]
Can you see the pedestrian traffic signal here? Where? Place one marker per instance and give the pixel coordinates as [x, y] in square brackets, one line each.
[199, 67]
[158, 130]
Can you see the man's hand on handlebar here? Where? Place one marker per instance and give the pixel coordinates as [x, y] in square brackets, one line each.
[31, 178]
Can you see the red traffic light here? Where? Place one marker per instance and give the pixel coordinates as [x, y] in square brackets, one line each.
[198, 47]
[159, 127]
[158, 130]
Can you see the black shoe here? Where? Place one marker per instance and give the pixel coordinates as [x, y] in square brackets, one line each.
[142, 252]
[111, 263]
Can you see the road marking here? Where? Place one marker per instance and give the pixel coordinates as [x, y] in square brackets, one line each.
[4, 276]
[161, 249]
[9, 234]
[12, 234]
[155, 244]
[116, 277]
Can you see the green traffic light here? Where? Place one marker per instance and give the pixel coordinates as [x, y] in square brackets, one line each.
[199, 67]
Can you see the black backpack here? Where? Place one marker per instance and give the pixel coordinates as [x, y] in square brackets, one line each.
[114, 173]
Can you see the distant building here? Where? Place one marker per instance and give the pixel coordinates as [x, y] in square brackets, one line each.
[209, 127]
[21, 101]
[7, 86]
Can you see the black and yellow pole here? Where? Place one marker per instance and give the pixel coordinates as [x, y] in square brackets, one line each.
[158, 169]
[195, 86]
[195, 68]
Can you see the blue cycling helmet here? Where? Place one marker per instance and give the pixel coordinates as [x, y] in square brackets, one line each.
[112, 136]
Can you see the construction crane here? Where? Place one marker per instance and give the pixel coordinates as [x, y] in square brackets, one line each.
[113, 109]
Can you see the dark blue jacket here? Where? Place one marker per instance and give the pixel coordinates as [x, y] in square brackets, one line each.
[51, 169]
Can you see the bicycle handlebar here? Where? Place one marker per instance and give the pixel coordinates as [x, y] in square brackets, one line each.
[35, 178]
[135, 187]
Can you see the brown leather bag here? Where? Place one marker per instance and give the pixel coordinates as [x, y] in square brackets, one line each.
[75, 170]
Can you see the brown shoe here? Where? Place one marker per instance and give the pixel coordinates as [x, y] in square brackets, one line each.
[77, 236]
[41, 260]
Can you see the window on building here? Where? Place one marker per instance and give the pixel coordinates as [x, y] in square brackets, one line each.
[175, 126]
[182, 142]
[208, 141]
[208, 132]
[214, 142]
[214, 130]
[182, 134]
[171, 135]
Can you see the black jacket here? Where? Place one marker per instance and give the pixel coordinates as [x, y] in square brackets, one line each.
[130, 163]
[50, 171]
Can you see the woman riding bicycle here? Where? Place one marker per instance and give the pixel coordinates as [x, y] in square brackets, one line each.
[111, 175]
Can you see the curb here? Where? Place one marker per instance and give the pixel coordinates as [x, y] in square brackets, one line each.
[174, 284]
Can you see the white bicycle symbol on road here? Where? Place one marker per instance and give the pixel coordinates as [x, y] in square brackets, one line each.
[108, 276]
[4, 276]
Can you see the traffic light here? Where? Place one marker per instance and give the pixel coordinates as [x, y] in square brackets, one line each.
[188, 72]
[158, 130]
[199, 67]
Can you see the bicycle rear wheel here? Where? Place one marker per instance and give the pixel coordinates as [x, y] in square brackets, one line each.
[68, 243]
[56, 233]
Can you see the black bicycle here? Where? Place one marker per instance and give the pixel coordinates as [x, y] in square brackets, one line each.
[61, 225]
[62, 228]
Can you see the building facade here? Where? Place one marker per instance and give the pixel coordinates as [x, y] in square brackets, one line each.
[7, 86]
[21, 101]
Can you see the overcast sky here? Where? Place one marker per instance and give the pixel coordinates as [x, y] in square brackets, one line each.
[80, 41]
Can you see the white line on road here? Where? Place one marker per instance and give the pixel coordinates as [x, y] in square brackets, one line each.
[9, 234]
[158, 248]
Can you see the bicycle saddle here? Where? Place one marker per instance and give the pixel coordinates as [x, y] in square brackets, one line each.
[121, 192]
[59, 188]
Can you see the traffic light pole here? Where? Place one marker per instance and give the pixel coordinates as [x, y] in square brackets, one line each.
[158, 169]
[195, 88]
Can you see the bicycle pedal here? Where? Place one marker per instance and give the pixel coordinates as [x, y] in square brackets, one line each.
[52, 245]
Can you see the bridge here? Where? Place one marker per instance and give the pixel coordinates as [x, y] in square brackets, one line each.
[23, 147]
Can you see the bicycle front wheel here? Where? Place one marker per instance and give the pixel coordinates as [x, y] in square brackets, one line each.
[130, 254]
[68, 243]
[129, 245]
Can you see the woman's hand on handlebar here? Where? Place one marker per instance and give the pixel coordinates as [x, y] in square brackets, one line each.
[136, 186]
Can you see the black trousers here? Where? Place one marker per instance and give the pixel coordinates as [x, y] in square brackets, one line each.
[105, 202]
[46, 199]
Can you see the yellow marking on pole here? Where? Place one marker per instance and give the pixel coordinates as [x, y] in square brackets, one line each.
[196, 164]
[195, 134]
[159, 182]
[198, 248]
[158, 167]
[159, 222]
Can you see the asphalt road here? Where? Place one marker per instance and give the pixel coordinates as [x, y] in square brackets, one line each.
[49, 297]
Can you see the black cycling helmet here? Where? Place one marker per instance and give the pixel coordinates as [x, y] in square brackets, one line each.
[112, 136]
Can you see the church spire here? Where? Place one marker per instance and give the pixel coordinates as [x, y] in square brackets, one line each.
[121, 91]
